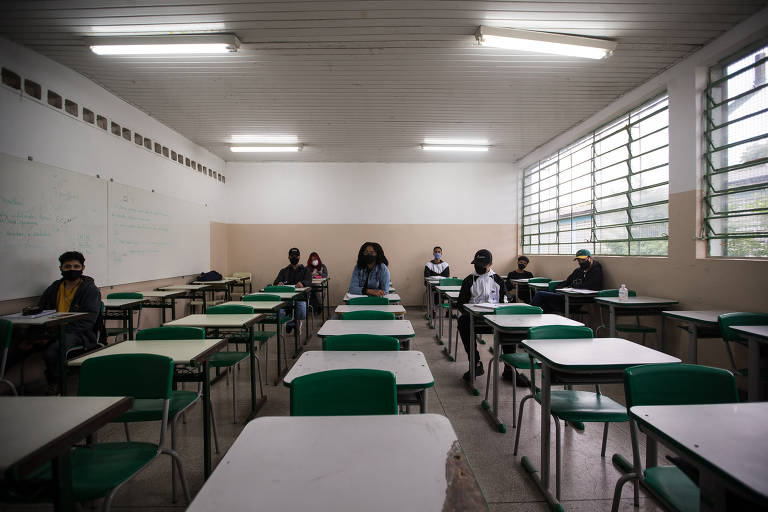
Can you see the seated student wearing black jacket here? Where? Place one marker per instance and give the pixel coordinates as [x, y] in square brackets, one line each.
[73, 293]
[298, 275]
[520, 273]
[589, 276]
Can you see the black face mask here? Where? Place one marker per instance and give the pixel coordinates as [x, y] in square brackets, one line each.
[369, 258]
[521, 266]
[584, 264]
[294, 260]
[71, 275]
[480, 269]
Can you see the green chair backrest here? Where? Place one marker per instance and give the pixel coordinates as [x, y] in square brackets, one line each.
[172, 332]
[518, 310]
[552, 285]
[264, 297]
[350, 392]
[678, 384]
[559, 332]
[368, 315]
[368, 301]
[539, 280]
[726, 320]
[450, 281]
[230, 309]
[136, 375]
[6, 330]
[125, 295]
[615, 293]
[360, 342]
[275, 289]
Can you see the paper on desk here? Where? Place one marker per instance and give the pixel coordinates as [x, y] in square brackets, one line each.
[578, 290]
[45, 312]
[488, 305]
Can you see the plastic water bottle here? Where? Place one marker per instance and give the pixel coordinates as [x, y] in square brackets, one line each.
[623, 293]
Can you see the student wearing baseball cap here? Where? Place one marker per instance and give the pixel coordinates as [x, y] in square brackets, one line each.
[589, 276]
[295, 274]
[482, 285]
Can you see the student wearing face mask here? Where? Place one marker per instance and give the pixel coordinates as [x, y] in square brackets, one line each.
[371, 273]
[589, 276]
[483, 285]
[318, 270]
[436, 266]
[298, 275]
[519, 273]
[74, 292]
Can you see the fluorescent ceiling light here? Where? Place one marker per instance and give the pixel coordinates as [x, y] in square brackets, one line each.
[285, 148]
[165, 45]
[545, 42]
[449, 147]
[457, 142]
[264, 139]
[178, 28]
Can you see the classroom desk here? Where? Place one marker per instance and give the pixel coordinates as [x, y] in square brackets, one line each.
[323, 284]
[429, 283]
[156, 299]
[756, 335]
[191, 291]
[698, 324]
[225, 285]
[393, 297]
[411, 370]
[397, 309]
[441, 291]
[239, 281]
[639, 305]
[520, 285]
[59, 320]
[189, 353]
[405, 463]
[36, 429]
[122, 309]
[400, 329]
[294, 298]
[577, 297]
[273, 308]
[580, 361]
[536, 287]
[517, 326]
[243, 322]
[725, 442]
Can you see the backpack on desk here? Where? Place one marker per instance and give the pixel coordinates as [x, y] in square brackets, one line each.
[209, 276]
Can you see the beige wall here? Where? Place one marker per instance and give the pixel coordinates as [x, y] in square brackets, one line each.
[263, 249]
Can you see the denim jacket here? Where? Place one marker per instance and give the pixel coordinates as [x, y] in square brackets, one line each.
[377, 279]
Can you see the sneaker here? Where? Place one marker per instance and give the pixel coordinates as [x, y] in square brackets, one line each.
[478, 371]
[289, 328]
[523, 381]
[508, 373]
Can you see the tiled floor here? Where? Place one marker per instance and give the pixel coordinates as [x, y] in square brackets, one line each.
[588, 479]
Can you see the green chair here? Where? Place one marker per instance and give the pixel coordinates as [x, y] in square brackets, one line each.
[278, 289]
[571, 405]
[628, 328]
[450, 281]
[515, 360]
[181, 400]
[531, 289]
[99, 470]
[360, 342]
[350, 392]
[368, 301]
[277, 320]
[727, 320]
[231, 359]
[6, 331]
[119, 332]
[670, 384]
[368, 315]
[552, 285]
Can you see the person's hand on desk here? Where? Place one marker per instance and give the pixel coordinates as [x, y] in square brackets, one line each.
[280, 283]
[376, 293]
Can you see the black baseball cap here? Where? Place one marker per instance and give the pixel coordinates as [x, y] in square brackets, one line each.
[293, 251]
[523, 258]
[483, 257]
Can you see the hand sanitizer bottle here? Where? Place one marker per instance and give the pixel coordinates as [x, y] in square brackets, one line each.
[623, 292]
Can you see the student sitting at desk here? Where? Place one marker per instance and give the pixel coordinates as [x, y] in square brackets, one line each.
[318, 270]
[482, 286]
[520, 273]
[298, 275]
[74, 292]
[589, 276]
[371, 273]
[436, 267]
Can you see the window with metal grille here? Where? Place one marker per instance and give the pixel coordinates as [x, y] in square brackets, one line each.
[607, 192]
[735, 188]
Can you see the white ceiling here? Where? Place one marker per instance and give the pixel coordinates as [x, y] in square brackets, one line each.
[369, 80]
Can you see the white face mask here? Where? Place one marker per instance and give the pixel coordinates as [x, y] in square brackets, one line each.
[314, 263]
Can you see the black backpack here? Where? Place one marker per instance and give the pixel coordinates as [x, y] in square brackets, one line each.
[209, 276]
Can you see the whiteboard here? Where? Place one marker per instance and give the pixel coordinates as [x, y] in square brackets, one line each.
[45, 211]
[127, 234]
[152, 236]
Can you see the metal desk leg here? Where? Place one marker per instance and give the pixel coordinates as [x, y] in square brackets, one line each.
[439, 310]
[612, 320]
[472, 349]
[279, 339]
[494, 412]
[206, 421]
[130, 323]
[173, 308]
[693, 337]
[297, 349]
[255, 404]
[651, 452]
[450, 330]
[567, 306]
[61, 468]
[423, 401]
[62, 360]
[753, 370]
[429, 305]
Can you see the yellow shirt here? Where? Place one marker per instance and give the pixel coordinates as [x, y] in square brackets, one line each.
[64, 297]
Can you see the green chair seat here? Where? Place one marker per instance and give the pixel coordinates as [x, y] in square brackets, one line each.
[227, 359]
[367, 301]
[519, 360]
[349, 392]
[151, 409]
[585, 406]
[263, 335]
[450, 281]
[361, 342]
[368, 315]
[634, 328]
[278, 289]
[674, 486]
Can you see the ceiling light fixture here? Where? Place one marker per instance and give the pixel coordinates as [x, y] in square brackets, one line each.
[244, 138]
[276, 148]
[176, 28]
[453, 147]
[457, 142]
[544, 42]
[165, 45]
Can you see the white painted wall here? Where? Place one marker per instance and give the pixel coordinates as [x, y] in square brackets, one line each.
[372, 193]
[32, 128]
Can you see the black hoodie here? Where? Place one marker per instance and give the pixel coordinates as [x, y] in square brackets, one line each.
[87, 299]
